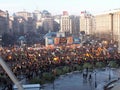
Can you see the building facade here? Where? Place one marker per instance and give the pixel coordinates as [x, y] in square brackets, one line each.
[76, 26]
[24, 22]
[23, 14]
[48, 24]
[66, 23]
[37, 16]
[4, 22]
[108, 24]
[86, 22]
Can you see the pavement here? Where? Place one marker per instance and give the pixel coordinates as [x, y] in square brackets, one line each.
[75, 81]
[115, 84]
[116, 87]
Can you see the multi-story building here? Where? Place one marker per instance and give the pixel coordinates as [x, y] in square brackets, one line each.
[48, 24]
[11, 19]
[23, 14]
[103, 25]
[66, 23]
[24, 22]
[37, 15]
[4, 22]
[76, 26]
[56, 24]
[30, 25]
[69, 24]
[57, 18]
[86, 22]
[108, 24]
[19, 25]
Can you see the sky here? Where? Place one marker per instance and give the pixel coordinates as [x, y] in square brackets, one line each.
[74, 7]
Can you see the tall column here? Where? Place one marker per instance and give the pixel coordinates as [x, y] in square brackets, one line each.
[111, 14]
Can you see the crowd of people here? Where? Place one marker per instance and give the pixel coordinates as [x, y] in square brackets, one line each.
[31, 62]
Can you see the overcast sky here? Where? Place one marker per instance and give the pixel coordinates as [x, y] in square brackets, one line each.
[58, 6]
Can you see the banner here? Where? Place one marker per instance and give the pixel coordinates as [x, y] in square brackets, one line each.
[63, 40]
[69, 40]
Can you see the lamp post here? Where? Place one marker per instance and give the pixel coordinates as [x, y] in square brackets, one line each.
[109, 73]
[95, 80]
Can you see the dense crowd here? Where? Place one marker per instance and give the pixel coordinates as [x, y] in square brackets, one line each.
[32, 62]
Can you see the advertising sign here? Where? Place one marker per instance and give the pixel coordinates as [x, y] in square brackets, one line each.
[63, 40]
[50, 41]
[56, 41]
[69, 40]
[76, 40]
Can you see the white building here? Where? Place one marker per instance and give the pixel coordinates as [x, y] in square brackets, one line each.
[66, 23]
[23, 14]
[86, 22]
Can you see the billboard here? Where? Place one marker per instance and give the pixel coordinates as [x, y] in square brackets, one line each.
[50, 41]
[63, 40]
[60, 34]
[76, 40]
[56, 41]
[70, 40]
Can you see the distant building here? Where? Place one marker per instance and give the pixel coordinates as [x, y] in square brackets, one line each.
[76, 26]
[69, 24]
[56, 24]
[4, 22]
[24, 22]
[57, 18]
[66, 23]
[11, 19]
[19, 25]
[37, 16]
[45, 13]
[108, 24]
[86, 22]
[48, 24]
[23, 14]
[30, 25]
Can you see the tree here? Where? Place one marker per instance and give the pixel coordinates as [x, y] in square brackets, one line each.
[113, 64]
[88, 65]
[100, 64]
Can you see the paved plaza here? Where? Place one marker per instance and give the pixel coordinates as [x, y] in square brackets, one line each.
[75, 81]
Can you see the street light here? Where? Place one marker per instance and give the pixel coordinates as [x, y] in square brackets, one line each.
[95, 80]
[109, 73]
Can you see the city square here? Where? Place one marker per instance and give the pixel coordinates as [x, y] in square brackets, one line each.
[59, 45]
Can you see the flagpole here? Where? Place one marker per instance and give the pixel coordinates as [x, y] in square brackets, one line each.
[10, 74]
